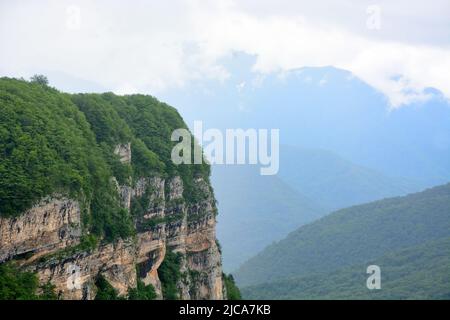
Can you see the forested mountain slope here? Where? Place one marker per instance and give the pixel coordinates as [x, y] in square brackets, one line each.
[335, 182]
[257, 210]
[353, 236]
[89, 196]
[418, 272]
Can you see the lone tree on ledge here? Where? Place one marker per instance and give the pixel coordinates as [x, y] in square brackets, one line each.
[40, 79]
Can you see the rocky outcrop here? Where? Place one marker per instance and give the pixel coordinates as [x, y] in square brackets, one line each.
[125, 191]
[150, 254]
[74, 276]
[109, 205]
[203, 260]
[192, 235]
[124, 152]
[52, 224]
[44, 240]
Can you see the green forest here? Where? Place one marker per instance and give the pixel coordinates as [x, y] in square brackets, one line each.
[57, 143]
[419, 272]
[406, 236]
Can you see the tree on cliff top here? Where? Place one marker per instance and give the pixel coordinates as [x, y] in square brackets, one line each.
[39, 78]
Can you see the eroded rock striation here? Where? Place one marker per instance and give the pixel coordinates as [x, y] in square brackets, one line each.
[46, 239]
[52, 224]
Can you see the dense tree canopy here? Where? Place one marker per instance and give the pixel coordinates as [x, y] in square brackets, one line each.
[56, 143]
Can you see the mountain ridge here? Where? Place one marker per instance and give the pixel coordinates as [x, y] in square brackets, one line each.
[353, 235]
[418, 272]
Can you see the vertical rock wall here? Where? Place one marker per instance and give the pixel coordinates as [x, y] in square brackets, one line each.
[42, 235]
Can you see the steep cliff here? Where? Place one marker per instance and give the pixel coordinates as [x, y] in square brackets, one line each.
[191, 233]
[124, 213]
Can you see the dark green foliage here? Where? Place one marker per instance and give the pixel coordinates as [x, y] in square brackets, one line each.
[419, 272]
[153, 122]
[20, 285]
[47, 147]
[121, 171]
[110, 130]
[139, 205]
[353, 236]
[142, 292]
[233, 292]
[51, 142]
[15, 285]
[169, 274]
[144, 161]
[56, 143]
[151, 223]
[48, 292]
[105, 291]
[104, 120]
[88, 242]
[44, 142]
[39, 79]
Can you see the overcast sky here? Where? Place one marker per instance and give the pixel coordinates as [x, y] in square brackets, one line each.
[399, 47]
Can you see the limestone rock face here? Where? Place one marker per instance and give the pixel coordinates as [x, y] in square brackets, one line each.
[125, 192]
[44, 238]
[176, 188]
[189, 229]
[52, 224]
[124, 152]
[74, 277]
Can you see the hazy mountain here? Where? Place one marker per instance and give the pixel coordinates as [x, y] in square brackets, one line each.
[255, 211]
[348, 145]
[353, 236]
[327, 108]
[418, 272]
[251, 206]
[335, 182]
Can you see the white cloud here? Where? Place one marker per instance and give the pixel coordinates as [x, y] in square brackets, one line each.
[150, 46]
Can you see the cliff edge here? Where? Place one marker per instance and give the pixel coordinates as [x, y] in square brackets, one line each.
[90, 197]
